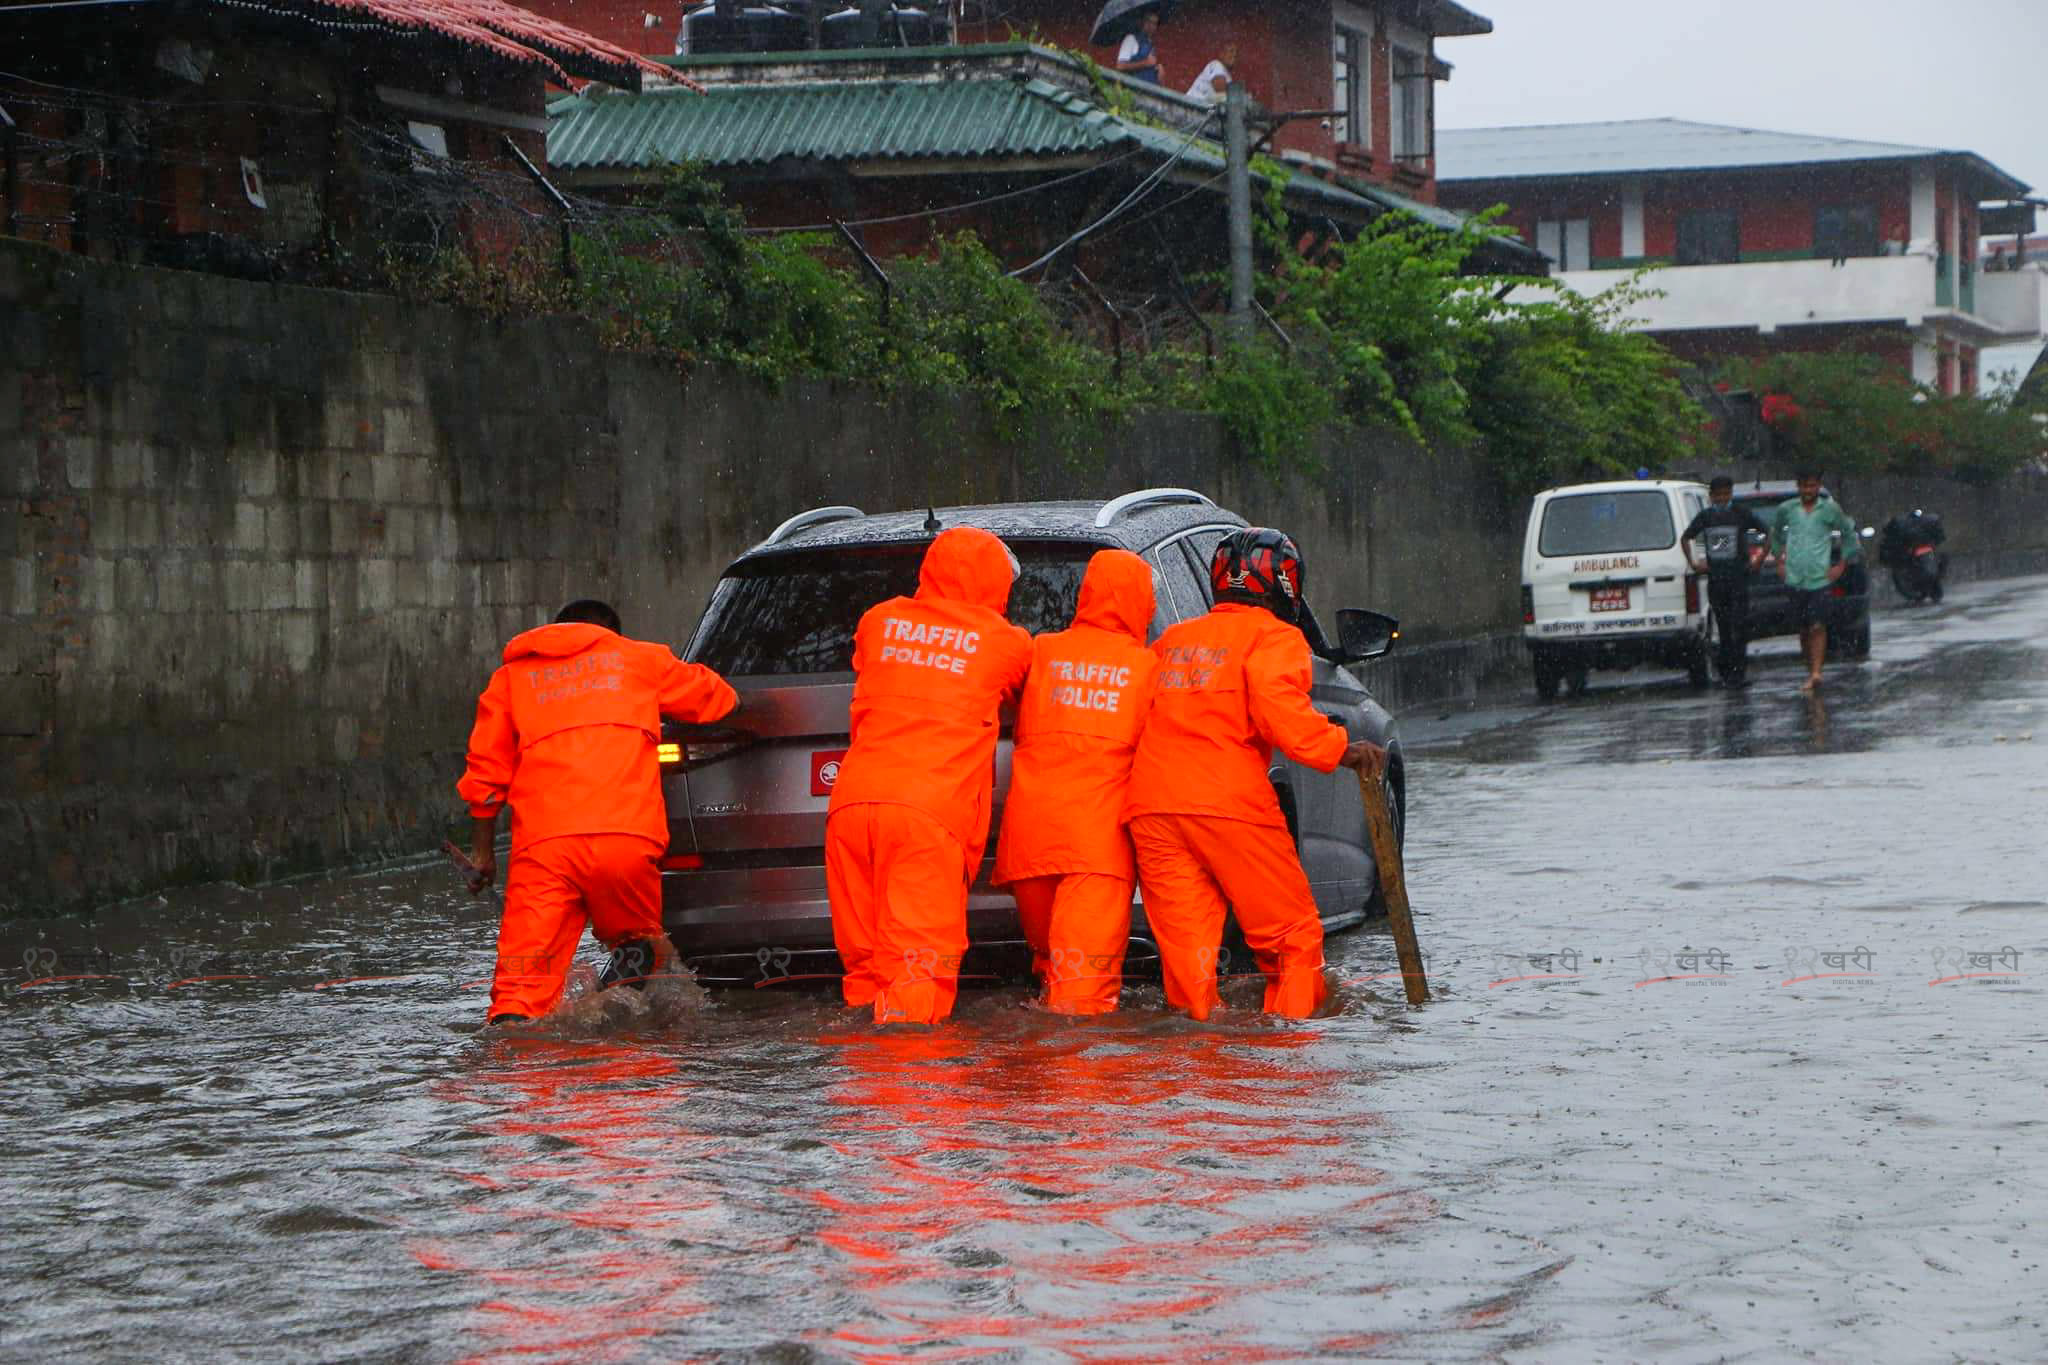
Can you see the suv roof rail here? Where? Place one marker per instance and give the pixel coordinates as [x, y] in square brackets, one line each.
[817, 516]
[1146, 497]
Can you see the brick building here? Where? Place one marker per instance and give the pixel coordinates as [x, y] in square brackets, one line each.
[248, 135]
[1768, 241]
[1374, 62]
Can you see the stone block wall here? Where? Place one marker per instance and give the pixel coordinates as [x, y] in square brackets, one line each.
[257, 550]
[260, 546]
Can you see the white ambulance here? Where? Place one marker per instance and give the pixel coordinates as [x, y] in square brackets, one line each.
[1605, 584]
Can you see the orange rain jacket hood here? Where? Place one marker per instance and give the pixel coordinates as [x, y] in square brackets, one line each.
[1077, 729]
[567, 728]
[1232, 686]
[932, 673]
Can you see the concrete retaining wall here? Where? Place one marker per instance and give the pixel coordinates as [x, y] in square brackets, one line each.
[260, 546]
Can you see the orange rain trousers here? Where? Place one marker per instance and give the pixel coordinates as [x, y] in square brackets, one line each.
[897, 880]
[1077, 925]
[552, 889]
[1193, 868]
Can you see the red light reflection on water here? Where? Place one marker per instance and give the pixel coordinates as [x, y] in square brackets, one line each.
[1132, 1200]
[1109, 1192]
[587, 1188]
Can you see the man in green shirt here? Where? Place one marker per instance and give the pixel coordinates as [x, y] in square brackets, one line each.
[1803, 537]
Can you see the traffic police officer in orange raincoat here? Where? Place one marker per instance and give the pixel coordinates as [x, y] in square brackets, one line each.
[566, 734]
[1063, 851]
[1233, 686]
[910, 810]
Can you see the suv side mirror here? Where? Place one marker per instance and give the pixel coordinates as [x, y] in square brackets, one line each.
[1363, 635]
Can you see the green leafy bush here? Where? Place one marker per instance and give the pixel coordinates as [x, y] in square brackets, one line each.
[1848, 412]
[1384, 329]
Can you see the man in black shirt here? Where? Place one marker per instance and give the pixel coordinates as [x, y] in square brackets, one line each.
[1721, 531]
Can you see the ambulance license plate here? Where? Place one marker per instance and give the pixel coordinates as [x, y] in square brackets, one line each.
[1610, 599]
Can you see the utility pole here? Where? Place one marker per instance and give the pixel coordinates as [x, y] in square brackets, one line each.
[1237, 151]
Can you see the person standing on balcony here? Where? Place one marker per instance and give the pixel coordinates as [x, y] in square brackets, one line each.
[1215, 78]
[1063, 852]
[1804, 533]
[1138, 56]
[566, 735]
[909, 813]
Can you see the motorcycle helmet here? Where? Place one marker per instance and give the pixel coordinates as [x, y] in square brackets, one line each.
[1262, 568]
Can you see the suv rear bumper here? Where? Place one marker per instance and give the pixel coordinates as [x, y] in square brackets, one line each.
[785, 908]
[1772, 611]
[767, 926]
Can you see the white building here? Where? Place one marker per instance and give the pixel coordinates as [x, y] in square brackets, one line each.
[1768, 241]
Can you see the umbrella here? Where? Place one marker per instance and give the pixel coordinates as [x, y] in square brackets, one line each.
[1120, 17]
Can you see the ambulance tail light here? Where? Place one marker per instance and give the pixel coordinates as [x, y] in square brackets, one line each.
[1692, 594]
[682, 862]
[1528, 605]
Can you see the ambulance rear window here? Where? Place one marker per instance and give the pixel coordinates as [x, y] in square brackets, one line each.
[796, 613]
[1602, 523]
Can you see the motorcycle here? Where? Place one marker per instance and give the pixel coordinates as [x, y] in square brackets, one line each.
[1910, 549]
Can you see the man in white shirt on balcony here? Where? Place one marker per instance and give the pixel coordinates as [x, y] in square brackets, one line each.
[1215, 78]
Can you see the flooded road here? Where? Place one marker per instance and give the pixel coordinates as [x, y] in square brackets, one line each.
[1739, 1054]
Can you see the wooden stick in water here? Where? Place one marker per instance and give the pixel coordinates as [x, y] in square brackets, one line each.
[1386, 855]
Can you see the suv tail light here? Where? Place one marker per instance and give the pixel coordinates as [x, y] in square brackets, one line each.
[677, 751]
[1692, 594]
[1528, 605]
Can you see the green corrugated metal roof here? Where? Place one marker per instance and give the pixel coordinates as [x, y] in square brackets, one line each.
[755, 124]
[740, 125]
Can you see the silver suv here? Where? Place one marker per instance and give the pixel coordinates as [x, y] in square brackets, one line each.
[743, 882]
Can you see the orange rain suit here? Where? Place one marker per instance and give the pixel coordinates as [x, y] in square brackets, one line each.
[1232, 686]
[1063, 851]
[566, 733]
[910, 811]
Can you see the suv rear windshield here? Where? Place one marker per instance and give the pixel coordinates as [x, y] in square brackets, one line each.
[1601, 523]
[796, 613]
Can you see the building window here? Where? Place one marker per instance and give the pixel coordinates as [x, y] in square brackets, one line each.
[1567, 242]
[1709, 237]
[1351, 85]
[1411, 93]
[1841, 230]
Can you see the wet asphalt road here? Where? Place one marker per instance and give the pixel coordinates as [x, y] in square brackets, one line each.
[1738, 1054]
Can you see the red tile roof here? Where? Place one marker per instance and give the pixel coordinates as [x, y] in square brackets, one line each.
[504, 30]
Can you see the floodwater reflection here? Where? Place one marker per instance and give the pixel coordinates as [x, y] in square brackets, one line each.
[1087, 1189]
[1014, 1179]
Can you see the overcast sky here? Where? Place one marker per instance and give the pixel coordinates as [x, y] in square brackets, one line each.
[1968, 75]
[1962, 75]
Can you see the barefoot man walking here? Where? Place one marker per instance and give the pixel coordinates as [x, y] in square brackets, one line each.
[1803, 537]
